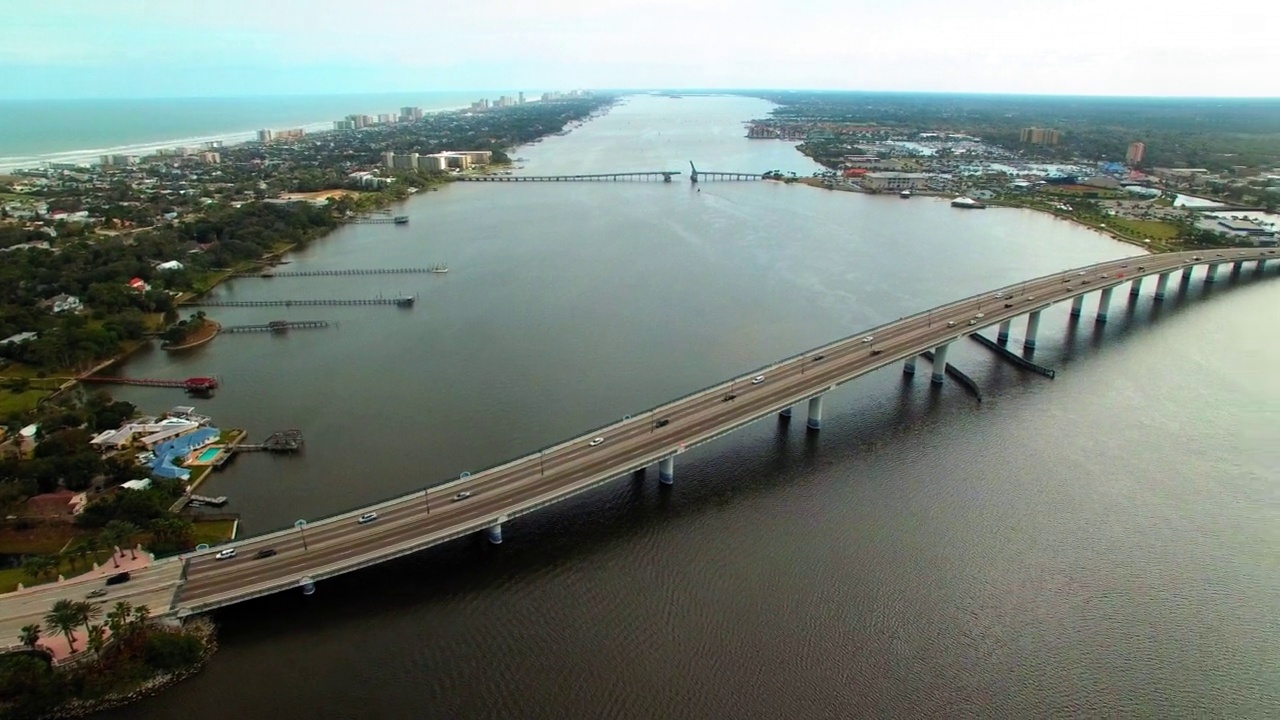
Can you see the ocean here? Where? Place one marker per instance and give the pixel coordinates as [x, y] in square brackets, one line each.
[37, 131]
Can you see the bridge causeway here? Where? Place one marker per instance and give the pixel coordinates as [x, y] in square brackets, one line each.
[647, 175]
[314, 550]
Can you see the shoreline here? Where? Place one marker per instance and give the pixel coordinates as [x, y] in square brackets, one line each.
[89, 156]
[215, 328]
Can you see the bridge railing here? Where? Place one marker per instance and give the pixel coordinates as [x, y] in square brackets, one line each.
[641, 415]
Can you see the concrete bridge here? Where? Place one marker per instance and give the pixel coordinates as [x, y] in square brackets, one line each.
[312, 551]
[695, 175]
[663, 175]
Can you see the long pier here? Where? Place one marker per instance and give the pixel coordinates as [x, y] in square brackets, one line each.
[285, 441]
[402, 301]
[663, 175]
[277, 326]
[270, 272]
[193, 384]
[398, 220]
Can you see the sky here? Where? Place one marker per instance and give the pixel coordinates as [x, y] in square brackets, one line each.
[176, 48]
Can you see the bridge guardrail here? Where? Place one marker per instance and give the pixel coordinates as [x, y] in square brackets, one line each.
[724, 384]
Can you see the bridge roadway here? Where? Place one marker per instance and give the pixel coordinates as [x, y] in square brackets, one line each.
[409, 523]
[341, 544]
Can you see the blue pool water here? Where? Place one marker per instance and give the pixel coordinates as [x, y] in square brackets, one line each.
[209, 454]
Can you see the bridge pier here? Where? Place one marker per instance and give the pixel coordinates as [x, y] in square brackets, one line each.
[1211, 274]
[495, 534]
[1186, 273]
[1002, 336]
[1237, 267]
[1162, 283]
[940, 363]
[1135, 287]
[667, 470]
[815, 413]
[1077, 306]
[785, 414]
[1033, 327]
[909, 365]
[1104, 304]
[308, 586]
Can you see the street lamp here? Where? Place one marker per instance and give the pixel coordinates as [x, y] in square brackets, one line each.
[300, 525]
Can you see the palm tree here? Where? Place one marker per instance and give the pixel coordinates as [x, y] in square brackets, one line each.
[30, 635]
[92, 545]
[97, 638]
[125, 531]
[141, 614]
[119, 616]
[34, 567]
[64, 616]
[89, 611]
[110, 536]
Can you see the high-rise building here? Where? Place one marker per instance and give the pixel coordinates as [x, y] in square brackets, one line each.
[520, 98]
[1135, 153]
[264, 136]
[388, 159]
[1040, 136]
[409, 113]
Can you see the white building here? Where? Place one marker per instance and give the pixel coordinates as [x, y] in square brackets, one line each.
[64, 303]
[170, 265]
[894, 181]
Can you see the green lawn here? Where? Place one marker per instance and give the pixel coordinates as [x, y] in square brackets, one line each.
[214, 531]
[1154, 229]
[19, 403]
[10, 578]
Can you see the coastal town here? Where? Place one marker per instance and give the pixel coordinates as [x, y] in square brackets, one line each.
[101, 260]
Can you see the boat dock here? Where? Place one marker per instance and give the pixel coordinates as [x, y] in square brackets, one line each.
[285, 441]
[271, 272]
[398, 220]
[277, 326]
[401, 301]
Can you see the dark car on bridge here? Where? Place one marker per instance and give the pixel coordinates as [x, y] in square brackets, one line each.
[118, 578]
[663, 422]
[264, 553]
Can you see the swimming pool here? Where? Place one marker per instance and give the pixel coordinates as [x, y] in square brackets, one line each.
[209, 454]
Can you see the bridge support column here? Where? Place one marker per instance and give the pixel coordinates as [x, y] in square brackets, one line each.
[1033, 326]
[1077, 306]
[1104, 303]
[909, 366]
[1162, 284]
[495, 534]
[667, 470]
[785, 414]
[1186, 273]
[815, 413]
[1258, 266]
[940, 363]
[1211, 275]
[1002, 336]
[1135, 287]
[1237, 267]
[308, 586]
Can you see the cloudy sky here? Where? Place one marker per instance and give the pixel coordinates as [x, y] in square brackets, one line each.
[150, 48]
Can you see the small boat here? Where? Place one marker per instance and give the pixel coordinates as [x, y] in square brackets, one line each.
[401, 219]
[439, 269]
[905, 194]
[967, 204]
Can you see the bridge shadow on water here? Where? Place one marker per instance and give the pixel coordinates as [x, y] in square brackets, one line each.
[763, 465]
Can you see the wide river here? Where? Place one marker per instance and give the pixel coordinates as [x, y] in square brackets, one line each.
[1103, 543]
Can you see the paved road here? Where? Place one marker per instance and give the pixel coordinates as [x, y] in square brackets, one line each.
[152, 586]
[340, 544]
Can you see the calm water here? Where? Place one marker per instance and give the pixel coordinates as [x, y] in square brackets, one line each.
[1098, 544]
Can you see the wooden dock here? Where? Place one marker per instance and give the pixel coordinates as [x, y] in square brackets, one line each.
[285, 441]
[401, 301]
[277, 326]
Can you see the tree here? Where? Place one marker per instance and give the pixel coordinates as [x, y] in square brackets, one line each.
[111, 538]
[141, 614]
[119, 617]
[97, 638]
[88, 612]
[37, 566]
[30, 635]
[64, 617]
[124, 532]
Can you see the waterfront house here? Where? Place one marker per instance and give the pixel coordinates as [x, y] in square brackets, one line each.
[139, 284]
[64, 303]
[169, 265]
